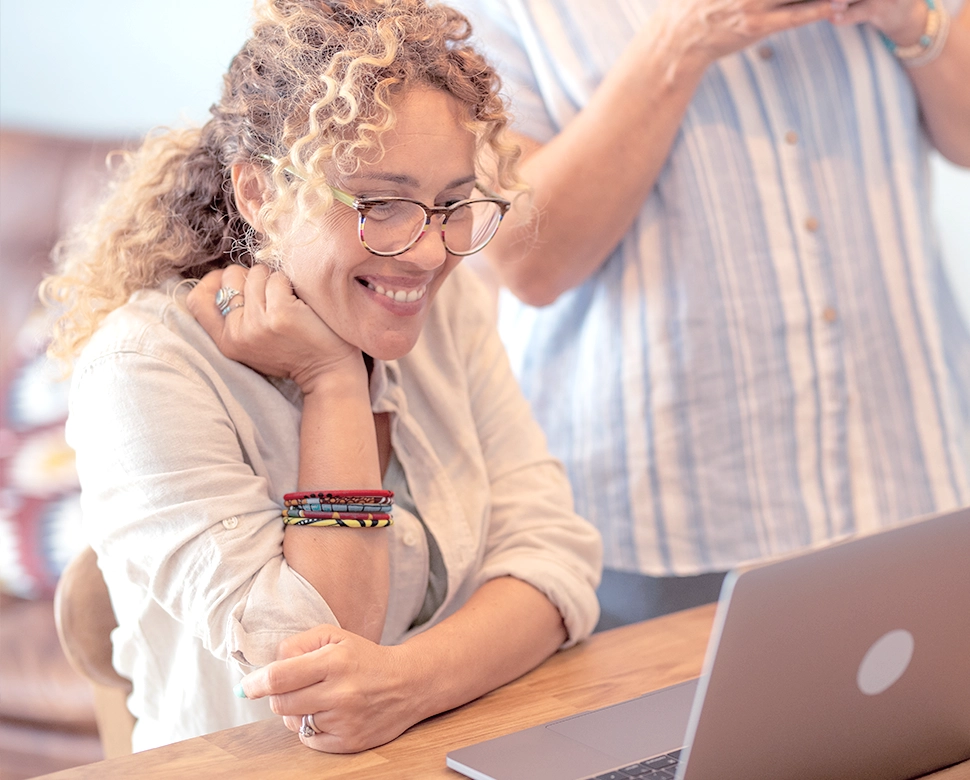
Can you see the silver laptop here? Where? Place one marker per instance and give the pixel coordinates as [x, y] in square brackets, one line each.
[849, 661]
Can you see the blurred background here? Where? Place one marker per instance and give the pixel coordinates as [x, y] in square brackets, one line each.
[78, 79]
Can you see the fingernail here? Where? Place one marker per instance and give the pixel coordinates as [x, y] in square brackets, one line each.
[238, 690]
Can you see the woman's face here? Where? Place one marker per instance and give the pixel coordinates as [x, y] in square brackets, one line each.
[380, 304]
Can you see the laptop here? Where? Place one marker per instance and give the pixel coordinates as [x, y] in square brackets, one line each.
[847, 661]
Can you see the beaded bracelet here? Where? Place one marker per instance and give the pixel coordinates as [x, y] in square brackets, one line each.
[930, 43]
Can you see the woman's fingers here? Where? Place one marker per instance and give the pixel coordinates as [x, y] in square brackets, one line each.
[286, 676]
[310, 640]
[786, 17]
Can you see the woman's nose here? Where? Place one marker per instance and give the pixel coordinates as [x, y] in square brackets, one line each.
[429, 250]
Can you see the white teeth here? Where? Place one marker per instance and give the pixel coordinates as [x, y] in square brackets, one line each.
[401, 296]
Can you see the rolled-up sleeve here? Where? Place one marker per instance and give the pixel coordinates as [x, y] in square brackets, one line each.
[533, 533]
[172, 504]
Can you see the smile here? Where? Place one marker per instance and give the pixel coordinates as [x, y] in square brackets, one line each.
[400, 296]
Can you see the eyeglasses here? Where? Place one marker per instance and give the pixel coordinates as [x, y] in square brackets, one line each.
[390, 226]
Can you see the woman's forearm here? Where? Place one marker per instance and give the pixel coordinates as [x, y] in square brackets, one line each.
[504, 630]
[944, 97]
[338, 451]
[589, 181]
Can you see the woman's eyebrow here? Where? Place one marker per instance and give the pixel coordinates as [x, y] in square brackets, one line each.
[407, 180]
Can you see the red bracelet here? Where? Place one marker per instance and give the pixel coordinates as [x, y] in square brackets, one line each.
[344, 496]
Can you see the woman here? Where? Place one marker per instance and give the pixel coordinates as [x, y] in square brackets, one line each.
[344, 357]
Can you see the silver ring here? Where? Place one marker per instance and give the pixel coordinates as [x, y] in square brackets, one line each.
[224, 297]
[309, 728]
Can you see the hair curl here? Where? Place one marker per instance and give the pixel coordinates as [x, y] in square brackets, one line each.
[313, 86]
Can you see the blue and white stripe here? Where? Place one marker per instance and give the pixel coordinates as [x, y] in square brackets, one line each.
[771, 358]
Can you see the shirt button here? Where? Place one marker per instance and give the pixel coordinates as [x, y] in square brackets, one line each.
[791, 137]
[829, 314]
[766, 52]
[230, 522]
[811, 224]
[410, 539]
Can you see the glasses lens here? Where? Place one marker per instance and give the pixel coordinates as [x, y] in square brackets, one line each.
[393, 225]
[471, 226]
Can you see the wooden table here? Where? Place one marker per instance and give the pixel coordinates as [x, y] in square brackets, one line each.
[608, 668]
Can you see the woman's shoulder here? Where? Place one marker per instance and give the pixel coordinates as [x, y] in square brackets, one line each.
[152, 323]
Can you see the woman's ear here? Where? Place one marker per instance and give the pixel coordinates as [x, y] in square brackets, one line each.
[249, 188]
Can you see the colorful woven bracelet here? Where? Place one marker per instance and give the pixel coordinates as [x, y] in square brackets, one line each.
[295, 512]
[931, 42]
[316, 506]
[382, 497]
[374, 521]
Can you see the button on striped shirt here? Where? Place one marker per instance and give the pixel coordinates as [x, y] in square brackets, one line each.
[772, 356]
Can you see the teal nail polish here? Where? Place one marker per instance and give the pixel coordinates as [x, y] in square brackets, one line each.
[238, 690]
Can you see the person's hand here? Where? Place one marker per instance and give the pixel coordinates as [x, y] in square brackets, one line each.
[359, 692]
[716, 28]
[268, 328]
[903, 21]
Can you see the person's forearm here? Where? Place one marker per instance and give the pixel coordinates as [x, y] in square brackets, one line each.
[944, 96]
[504, 630]
[590, 181]
[338, 451]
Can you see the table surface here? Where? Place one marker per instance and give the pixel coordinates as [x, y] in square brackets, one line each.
[608, 668]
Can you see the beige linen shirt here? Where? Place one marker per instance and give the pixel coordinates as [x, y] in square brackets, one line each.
[184, 457]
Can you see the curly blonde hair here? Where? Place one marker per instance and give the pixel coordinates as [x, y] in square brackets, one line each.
[313, 86]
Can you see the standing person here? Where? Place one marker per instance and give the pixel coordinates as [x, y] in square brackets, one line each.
[239, 446]
[734, 325]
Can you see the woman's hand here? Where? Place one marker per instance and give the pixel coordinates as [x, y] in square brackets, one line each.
[903, 21]
[268, 328]
[716, 28]
[359, 693]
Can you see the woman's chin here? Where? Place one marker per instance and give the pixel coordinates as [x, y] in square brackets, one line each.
[390, 346]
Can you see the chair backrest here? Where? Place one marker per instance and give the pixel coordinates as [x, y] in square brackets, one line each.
[85, 619]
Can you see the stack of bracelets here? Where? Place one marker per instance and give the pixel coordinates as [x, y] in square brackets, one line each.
[339, 508]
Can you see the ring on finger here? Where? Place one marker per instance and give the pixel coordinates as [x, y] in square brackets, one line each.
[224, 297]
[225, 311]
[308, 728]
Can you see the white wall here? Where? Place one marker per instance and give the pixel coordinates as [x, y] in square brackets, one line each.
[951, 201]
[114, 67]
[119, 67]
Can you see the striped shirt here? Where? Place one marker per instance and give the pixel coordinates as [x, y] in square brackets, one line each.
[772, 357]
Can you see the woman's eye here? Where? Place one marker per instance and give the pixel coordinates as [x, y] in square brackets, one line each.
[381, 210]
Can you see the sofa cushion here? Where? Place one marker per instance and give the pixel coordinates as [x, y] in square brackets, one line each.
[40, 518]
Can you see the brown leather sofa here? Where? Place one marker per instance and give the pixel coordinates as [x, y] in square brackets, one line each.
[47, 719]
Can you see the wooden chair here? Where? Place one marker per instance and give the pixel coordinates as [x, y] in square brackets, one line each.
[85, 619]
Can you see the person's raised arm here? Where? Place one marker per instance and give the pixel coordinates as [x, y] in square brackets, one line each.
[274, 332]
[940, 84]
[590, 181]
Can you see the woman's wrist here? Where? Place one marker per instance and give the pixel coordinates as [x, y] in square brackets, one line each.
[931, 41]
[685, 46]
[331, 376]
[911, 25]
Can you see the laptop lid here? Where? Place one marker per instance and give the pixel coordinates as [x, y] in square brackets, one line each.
[852, 660]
